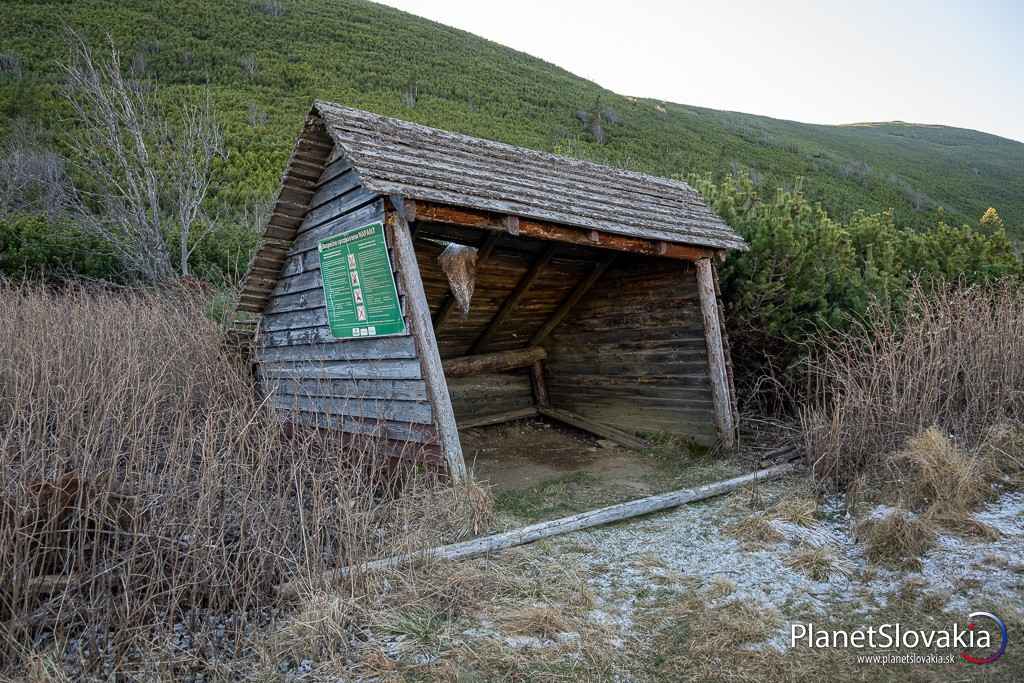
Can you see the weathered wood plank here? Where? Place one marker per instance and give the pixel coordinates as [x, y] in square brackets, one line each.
[336, 187]
[391, 410]
[337, 206]
[423, 332]
[401, 390]
[350, 349]
[382, 369]
[366, 426]
[716, 354]
[358, 217]
[540, 387]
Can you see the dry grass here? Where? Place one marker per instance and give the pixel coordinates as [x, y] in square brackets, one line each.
[818, 562]
[802, 510]
[931, 473]
[538, 620]
[142, 482]
[755, 529]
[955, 361]
[897, 538]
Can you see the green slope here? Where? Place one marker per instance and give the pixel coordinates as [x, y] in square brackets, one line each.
[266, 68]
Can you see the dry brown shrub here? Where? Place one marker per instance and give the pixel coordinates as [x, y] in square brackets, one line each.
[896, 537]
[754, 529]
[932, 474]
[955, 360]
[142, 479]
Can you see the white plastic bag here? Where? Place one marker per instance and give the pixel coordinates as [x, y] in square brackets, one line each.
[459, 263]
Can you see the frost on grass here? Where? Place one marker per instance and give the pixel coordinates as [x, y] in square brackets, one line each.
[805, 570]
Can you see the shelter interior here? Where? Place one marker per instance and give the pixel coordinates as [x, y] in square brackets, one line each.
[612, 342]
[612, 330]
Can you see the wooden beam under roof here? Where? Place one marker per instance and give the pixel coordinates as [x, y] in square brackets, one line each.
[544, 230]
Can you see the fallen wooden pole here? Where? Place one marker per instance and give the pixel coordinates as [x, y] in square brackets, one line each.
[536, 532]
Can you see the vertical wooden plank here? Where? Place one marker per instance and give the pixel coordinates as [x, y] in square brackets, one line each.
[540, 388]
[716, 354]
[426, 343]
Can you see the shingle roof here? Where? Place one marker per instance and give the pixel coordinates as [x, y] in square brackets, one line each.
[417, 162]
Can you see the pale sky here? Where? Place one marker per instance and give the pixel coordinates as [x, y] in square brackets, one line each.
[954, 63]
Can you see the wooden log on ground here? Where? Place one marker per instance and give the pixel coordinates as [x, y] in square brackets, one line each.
[541, 530]
[579, 422]
[498, 418]
[716, 354]
[465, 366]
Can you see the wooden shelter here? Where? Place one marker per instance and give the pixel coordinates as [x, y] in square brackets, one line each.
[595, 298]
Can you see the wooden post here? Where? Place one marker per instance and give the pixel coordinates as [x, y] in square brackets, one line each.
[540, 388]
[426, 343]
[716, 354]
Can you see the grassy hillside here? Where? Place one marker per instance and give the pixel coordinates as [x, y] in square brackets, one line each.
[267, 59]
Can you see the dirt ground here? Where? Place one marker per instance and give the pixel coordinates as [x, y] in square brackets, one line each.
[525, 453]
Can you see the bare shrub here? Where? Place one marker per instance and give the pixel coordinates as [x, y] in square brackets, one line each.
[142, 480]
[410, 94]
[256, 117]
[139, 167]
[250, 67]
[954, 360]
[10, 64]
[32, 177]
[272, 8]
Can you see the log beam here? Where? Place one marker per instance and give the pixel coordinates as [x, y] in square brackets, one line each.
[717, 368]
[467, 366]
[514, 298]
[426, 343]
[570, 302]
[544, 230]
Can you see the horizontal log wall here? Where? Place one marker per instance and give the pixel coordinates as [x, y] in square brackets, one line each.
[361, 386]
[632, 354]
[495, 281]
[488, 394]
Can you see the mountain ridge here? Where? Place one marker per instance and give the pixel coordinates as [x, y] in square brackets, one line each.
[266, 61]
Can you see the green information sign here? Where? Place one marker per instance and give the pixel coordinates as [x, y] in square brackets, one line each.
[359, 285]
